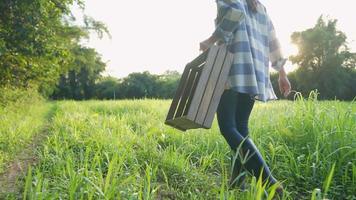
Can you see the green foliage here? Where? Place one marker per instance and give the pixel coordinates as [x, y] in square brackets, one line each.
[320, 46]
[39, 41]
[138, 85]
[99, 27]
[79, 82]
[168, 84]
[325, 62]
[122, 149]
[134, 86]
[34, 41]
[20, 122]
[107, 88]
[15, 96]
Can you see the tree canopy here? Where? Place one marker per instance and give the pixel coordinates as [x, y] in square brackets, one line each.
[39, 41]
[79, 82]
[138, 85]
[324, 62]
[40, 47]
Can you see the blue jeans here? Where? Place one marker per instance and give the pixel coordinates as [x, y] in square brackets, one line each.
[233, 114]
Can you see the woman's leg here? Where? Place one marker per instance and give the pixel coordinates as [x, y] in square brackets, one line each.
[255, 164]
[242, 113]
[227, 124]
[226, 118]
[233, 114]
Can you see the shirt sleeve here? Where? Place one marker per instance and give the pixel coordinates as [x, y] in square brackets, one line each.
[230, 13]
[275, 52]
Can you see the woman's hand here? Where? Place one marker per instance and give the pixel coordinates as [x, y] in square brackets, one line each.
[206, 44]
[284, 84]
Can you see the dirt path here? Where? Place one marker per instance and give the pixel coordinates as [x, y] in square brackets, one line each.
[17, 169]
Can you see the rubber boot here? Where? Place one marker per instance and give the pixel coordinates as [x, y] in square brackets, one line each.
[254, 163]
[238, 176]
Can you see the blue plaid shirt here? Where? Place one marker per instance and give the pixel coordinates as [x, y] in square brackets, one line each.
[253, 42]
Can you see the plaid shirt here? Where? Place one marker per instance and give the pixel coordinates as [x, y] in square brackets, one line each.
[252, 40]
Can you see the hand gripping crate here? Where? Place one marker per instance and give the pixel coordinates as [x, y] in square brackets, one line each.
[199, 90]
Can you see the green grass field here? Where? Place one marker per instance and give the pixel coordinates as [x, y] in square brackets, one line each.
[123, 150]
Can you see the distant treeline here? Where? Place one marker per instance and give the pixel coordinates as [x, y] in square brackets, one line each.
[134, 86]
[41, 50]
[324, 60]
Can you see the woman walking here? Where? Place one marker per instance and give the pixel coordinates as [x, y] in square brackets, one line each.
[246, 28]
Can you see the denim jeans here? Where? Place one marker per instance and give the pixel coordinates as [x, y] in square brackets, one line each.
[233, 114]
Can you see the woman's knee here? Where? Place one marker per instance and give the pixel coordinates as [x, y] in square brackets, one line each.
[243, 129]
[227, 130]
[232, 136]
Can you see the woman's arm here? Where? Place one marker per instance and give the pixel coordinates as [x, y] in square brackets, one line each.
[275, 53]
[283, 83]
[230, 13]
[277, 60]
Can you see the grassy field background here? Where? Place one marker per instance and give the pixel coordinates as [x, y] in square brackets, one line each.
[123, 150]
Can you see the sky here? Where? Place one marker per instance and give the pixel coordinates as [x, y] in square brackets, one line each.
[160, 35]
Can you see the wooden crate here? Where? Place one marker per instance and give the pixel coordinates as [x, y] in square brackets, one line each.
[199, 90]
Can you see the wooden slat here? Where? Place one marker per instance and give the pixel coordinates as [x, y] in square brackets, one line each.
[172, 124]
[199, 91]
[190, 124]
[178, 122]
[211, 84]
[186, 93]
[183, 123]
[195, 84]
[199, 60]
[219, 89]
[178, 93]
[192, 112]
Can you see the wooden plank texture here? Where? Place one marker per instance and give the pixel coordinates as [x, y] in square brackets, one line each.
[195, 84]
[202, 83]
[186, 93]
[219, 89]
[199, 90]
[172, 124]
[209, 88]
[178, 93]
[183, 123]
[199, 60]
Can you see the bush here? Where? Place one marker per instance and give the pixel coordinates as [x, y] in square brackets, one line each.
[9, 95]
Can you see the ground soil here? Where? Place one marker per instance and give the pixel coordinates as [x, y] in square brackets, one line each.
[18, 168]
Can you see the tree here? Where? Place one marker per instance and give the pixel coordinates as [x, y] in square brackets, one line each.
[79, 82]
[168, 83]
[108, 88]
[325, 62]
[36, 41]
[139, 85]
